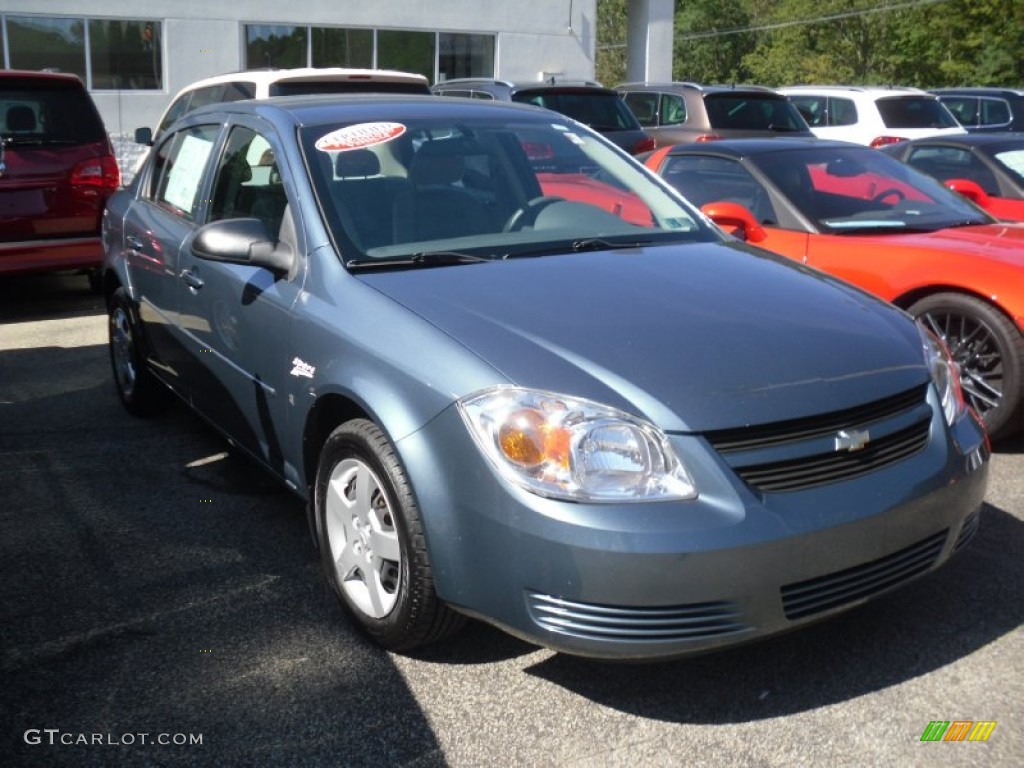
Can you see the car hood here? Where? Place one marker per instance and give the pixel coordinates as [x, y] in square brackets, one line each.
[694, 337]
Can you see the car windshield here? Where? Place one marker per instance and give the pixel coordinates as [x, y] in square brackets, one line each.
[915, 112]
[853, 190]
[1011, 157]
[443, 191]
[752, 112]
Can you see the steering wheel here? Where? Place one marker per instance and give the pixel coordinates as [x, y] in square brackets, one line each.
[527, 213]
[891, 192]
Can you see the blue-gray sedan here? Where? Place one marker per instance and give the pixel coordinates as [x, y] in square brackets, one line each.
[518, 378]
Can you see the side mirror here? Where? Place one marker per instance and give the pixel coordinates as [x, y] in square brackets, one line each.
[143, 136]
[735, 219]
[969, 189]
[242, 241]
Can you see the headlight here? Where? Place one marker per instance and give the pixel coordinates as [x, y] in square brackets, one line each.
[945, 375]
[568, 448]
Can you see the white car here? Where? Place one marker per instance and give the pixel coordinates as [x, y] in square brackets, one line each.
[261, 84]
[874, 116]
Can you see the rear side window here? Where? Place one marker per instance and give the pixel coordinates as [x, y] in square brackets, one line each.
[915, 112]
[752, 113]
[644, 106]
[994, 112]
[953, 163]
[178, 170]
[48, 111]
[842, 112]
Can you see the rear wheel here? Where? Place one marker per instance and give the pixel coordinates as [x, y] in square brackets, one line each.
[138, 389]
[989, 349]
[371, 542]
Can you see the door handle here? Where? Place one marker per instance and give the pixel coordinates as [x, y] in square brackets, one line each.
[192, 280]
[133, 243]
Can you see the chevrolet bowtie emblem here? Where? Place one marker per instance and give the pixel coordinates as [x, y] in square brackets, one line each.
[851, 440]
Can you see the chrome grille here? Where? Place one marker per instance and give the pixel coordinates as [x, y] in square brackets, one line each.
[824, 593]
[820, 469]
[663, 624]
[798, 454]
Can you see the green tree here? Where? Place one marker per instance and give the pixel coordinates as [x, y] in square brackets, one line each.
[711, 59]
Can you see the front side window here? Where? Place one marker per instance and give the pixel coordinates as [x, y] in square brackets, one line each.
[178, 168]
[953, 163]
[248, 182]
[964, 108]
[125, 54]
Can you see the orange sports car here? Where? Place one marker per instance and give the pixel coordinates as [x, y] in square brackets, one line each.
[861, 215]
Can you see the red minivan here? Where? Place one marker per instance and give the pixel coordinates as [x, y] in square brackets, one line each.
[57, 170]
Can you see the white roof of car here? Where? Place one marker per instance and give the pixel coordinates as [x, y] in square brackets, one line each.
[873, 91]
[309, 74]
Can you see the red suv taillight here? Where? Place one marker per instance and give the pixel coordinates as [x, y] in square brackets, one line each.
[881, 141]
[99, 172]
[646, 144]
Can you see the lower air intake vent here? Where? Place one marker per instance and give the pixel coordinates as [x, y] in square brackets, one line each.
[662, 624]
[807, 598]
[967, 531]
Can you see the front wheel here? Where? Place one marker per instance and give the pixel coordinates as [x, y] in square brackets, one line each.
[371, 541]
[989, 349]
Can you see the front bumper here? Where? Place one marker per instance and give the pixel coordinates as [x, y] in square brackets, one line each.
[660, 580]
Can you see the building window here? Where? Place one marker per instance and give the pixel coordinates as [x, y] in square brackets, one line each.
[125, 54]
[116, 53]
[337, 47]
[464, 56]
[406, 51]
[40, 42]
[279, 46]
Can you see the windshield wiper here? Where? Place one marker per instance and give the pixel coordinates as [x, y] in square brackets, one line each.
[597, 244]
[420, 259]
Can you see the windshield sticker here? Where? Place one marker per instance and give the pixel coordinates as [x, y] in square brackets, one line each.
[359, 136]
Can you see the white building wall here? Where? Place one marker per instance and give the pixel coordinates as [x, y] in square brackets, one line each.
[204, 37]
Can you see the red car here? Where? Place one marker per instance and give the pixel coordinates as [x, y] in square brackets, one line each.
[986, 168]
[57, 170]
[862, 216]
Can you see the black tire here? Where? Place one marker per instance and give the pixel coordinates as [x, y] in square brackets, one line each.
[140, 392]
[370, 536]
[990, 351]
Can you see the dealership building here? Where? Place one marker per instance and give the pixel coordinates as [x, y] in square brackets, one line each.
[135, 56]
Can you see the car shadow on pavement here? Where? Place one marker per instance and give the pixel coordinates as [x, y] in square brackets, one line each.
[968, 603]
[153, 583]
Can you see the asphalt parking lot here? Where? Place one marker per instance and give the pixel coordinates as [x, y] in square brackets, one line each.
[161, 605]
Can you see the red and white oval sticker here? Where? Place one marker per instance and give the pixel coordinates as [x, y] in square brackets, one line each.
[358, 136]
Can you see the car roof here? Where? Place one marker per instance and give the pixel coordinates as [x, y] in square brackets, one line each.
[35, 74]
[310, 110]
[760, 146]
[310, 74]
[869, 90]
[702, 87]
[980, 138]
[524, 85]
[980, 90]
